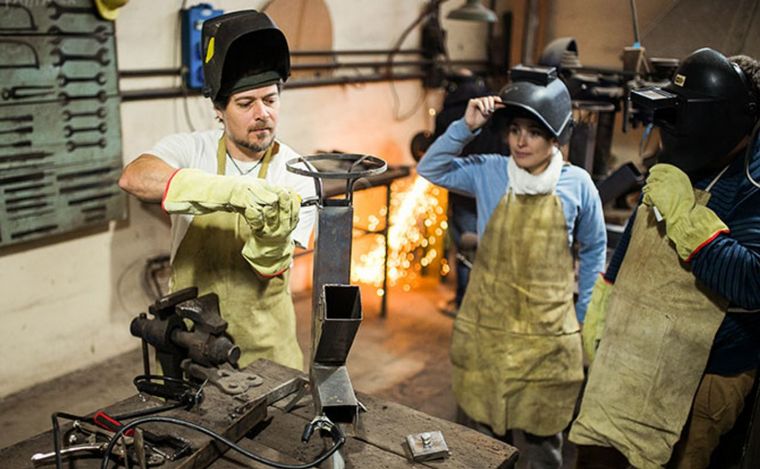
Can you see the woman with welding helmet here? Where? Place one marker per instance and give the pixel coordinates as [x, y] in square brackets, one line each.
[678, 334]
[516, 345]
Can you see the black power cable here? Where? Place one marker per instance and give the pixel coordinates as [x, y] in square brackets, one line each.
[321, 423]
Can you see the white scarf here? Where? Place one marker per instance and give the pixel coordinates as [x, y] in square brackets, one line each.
[522, 182]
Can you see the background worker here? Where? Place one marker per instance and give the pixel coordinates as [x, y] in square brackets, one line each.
[234, 207]
[679, 340]
[462, 210]
[516, 347]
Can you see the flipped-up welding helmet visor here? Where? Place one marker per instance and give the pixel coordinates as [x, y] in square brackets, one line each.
[703, 113]
[539, 94]
[242, 50]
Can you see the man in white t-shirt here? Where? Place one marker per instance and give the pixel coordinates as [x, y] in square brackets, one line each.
[235, 209]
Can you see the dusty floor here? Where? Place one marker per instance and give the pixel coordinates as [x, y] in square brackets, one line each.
[403, 358]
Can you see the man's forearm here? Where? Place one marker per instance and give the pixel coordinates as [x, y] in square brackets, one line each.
[146, 178]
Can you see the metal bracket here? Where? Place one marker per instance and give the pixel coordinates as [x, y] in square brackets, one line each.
[427, 445]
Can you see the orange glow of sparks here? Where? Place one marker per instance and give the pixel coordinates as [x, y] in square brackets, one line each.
[415, 237]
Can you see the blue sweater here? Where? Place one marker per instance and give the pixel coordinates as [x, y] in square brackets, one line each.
[485, 178]
[729, 265]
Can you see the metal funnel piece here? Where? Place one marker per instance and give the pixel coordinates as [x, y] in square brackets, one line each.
[340, 315]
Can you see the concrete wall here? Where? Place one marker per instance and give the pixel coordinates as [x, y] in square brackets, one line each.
[67, 302]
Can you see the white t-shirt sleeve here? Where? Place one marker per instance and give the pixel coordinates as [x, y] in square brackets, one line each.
[308, 215]
[176, 150]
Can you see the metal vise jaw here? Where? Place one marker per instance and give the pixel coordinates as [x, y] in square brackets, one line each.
[168, 332]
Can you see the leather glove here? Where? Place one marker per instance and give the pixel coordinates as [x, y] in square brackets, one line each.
[280, 222]
[593, 326]
[688, 225]
[195, 192]
[270, 249]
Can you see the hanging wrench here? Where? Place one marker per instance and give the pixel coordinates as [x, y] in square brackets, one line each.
[68, 130]
[23, 92]
[60, 10]
[71, 146]
[23, 143]
[100, 112]
[24, 118]
[66, 98]
[64, 80]
[99, 57]
[18, 130]
[100, 34]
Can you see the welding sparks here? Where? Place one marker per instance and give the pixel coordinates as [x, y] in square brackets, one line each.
[415, 237]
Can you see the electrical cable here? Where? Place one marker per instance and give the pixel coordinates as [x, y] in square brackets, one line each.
[57, 443]
[430, 10]
[337, 435]
[187, 402]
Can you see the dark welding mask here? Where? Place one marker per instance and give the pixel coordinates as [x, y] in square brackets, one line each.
[537, 93]
[703, 113]
[242, 50]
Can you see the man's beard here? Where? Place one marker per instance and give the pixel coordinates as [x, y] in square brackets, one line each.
[253, 146]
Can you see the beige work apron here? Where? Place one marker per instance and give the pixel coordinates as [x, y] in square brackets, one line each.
[661, 322]
[516, 347]
[259, 311]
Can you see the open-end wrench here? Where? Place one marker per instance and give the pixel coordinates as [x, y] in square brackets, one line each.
[100, 34]
[71, 146]
[99, 57]
[100, 112]
[60, 10]
[24, 118]
[27, 91]
[68, 130]
[18, 130]
[23, 143]
[66, 98]
[99, 78]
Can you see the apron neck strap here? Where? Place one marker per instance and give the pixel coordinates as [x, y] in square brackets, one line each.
[221, 157]
[714, 181]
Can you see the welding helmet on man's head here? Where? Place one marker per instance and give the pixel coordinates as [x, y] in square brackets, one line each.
[703, 114]
[242, 50]
[537, 93]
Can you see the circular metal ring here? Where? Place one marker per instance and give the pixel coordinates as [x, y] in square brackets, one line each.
[377, 166]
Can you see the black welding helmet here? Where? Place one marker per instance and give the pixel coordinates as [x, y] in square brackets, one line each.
[536, 92]
[242, 50]
[703, 113]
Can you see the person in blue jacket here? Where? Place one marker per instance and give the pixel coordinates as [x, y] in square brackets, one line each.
[673, 328]
[462, 210]
[516, 345]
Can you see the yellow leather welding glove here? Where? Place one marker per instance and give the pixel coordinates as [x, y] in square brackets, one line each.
[270, 249]
[689, 225]
[195, 192]
[596, 313]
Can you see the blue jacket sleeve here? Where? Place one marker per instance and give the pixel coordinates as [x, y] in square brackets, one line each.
[730, 264]
[441, 164]
[592, 238]
[732, 268]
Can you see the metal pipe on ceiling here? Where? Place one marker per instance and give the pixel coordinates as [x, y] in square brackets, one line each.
[177, 92]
